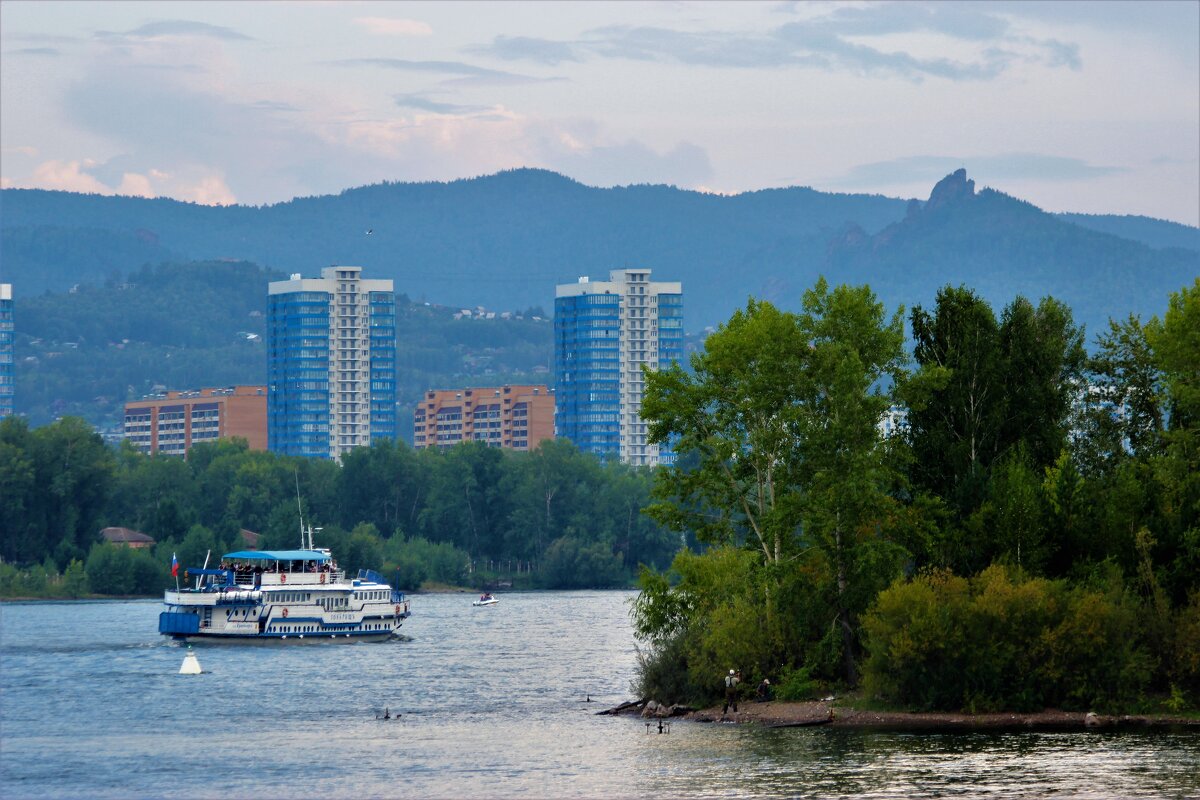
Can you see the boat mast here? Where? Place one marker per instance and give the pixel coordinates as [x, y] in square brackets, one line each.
[300, 509]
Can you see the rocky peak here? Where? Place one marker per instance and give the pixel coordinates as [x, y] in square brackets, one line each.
[951, 189]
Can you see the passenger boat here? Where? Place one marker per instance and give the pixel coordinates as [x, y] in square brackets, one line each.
[282, 596]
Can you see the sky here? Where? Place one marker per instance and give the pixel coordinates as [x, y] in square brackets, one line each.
[1090, 107]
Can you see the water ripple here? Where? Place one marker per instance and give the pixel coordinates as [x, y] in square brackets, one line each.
[491, 704]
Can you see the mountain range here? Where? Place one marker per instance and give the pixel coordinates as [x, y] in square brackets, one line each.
[119, 296]
[503, 241]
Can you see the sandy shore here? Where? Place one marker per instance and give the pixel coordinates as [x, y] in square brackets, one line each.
[780, 714]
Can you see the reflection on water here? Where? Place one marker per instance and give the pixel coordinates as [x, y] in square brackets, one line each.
[492, 703]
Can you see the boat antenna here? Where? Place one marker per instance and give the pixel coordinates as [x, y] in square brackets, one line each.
[299, 508]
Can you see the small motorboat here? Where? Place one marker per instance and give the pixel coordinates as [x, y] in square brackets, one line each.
[486, 599]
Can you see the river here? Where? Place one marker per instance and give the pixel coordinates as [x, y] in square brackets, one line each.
[493, 703]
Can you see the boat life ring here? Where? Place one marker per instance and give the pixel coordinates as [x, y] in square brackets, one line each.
[322, 577]
[282, 578]
[285, 613]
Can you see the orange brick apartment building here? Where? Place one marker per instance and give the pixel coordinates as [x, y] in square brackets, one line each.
[516, 417]
[174, 422]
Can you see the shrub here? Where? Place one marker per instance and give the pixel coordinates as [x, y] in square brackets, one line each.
[1003, 642]
[796, 685]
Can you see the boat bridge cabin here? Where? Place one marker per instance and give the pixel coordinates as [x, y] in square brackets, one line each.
[259, 568]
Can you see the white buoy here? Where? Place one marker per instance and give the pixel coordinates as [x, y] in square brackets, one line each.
[191, 665]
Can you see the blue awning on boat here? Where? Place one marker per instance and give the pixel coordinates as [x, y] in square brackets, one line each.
[277, 555]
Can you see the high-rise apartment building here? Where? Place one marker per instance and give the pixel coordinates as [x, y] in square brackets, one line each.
[175, 421]
[7, 347]
[514, 417]
[331, 344]
[604, 332]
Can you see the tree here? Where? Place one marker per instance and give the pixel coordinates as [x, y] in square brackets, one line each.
[738, 413]
[1122, 412]
[1176, 345]
[383, 484]
[955, 428]
[780, 416]
[74, 471]
[1042, 361]
[854, 348]
[464, 504]
[985, 389]
[20, 533]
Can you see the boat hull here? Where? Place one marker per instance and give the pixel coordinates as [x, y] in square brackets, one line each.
[286, 639]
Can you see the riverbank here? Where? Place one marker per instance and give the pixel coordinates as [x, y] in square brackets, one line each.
[778, 714]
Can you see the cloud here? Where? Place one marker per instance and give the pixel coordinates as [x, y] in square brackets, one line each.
[134, 185]
[176, 27]
[830, 40]
[35, 51]
[516, 48]
[210, 191]
[1061, 54]
[68, 176]
[393, 26]
[460, 68]
[629, 162]
[271, 105]
[1008, 166]
[959, 21]
[80, 176]
[202, 143]
[423, 103]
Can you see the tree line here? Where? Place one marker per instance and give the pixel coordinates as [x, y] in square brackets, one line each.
[1031, 538]
[553, 517]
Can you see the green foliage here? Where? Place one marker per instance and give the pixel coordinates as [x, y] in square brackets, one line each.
[417, 560]
[75, 583]
[796, 685]
[663, 674]
[571, 564]
[1054, 529]
[1186, 662]
[987, 390]
[554, 516]
[113, 569]
[54, 484]
[779, 420]
[1002, 641]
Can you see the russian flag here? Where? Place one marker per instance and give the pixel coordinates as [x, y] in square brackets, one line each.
[174, 566]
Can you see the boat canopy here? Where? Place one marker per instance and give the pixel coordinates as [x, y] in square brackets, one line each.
[278, 555]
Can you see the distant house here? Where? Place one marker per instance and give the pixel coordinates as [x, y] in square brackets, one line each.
[127, 537]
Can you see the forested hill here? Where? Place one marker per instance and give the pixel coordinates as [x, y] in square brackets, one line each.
[1147, 230]
[504, 240]
[1001, 247]
[196, 324]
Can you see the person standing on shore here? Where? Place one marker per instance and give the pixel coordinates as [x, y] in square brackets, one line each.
[731, 682]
